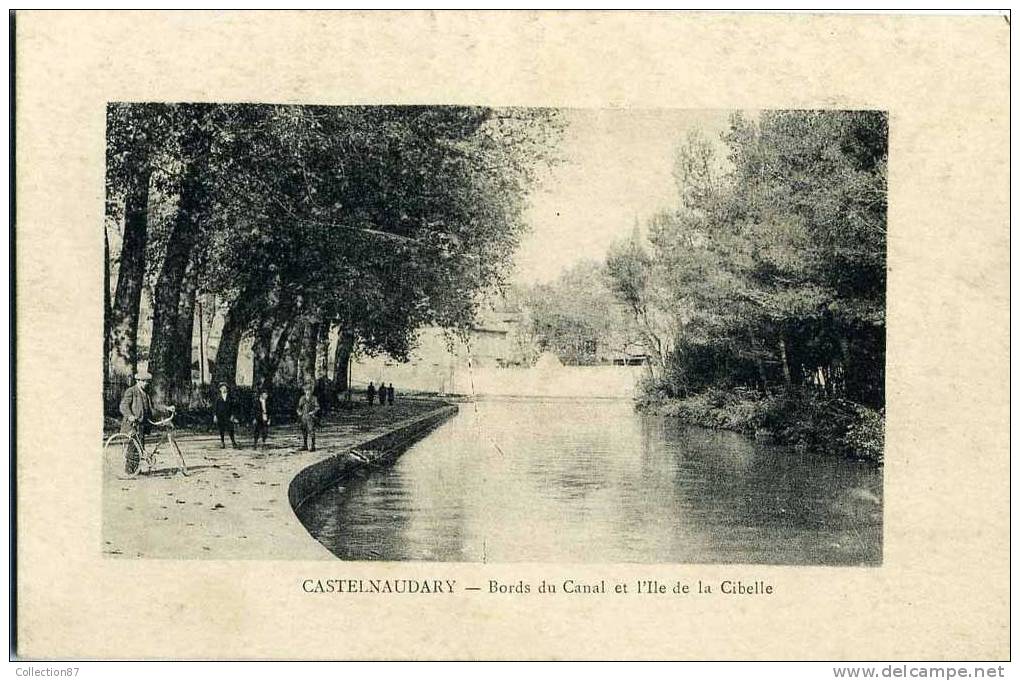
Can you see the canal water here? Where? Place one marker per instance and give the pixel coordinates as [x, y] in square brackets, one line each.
[594, 482]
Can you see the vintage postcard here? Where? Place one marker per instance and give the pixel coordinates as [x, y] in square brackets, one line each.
[683, 334]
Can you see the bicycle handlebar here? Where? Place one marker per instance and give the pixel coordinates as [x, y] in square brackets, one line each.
[162, 422]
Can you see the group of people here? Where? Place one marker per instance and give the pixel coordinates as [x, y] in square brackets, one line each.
[225, 416]
[136, 406]
[385, 393]
[307, 411]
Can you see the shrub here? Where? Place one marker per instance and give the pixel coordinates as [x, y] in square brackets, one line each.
[866, 437]
[652, 390]
[803, 418]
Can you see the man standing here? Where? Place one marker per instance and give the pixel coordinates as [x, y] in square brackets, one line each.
[307, 410]
[135, 407]
[260, 419]
[370, 393]
[389, 395]
[224, 415]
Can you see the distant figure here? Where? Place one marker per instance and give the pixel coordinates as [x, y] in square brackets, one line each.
[224, 415]
[260, 418]
[370, 393]
[389, 394]
[308, 410]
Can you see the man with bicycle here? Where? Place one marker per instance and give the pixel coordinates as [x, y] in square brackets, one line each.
[135, 406]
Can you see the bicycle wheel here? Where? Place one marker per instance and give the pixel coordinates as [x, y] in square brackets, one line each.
[115, 451]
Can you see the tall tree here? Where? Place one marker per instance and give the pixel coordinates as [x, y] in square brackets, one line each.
[131, 130]
[234, 325]
[342, 359]
[629, 268]
[166, 353]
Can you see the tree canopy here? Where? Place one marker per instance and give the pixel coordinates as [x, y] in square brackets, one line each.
[576, 316]
[376, 219]
[771, 267]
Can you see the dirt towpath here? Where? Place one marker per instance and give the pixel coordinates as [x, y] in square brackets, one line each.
[234, 504]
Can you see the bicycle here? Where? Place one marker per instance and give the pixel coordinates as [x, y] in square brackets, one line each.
[114, 454]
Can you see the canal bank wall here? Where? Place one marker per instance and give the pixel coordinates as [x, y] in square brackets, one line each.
[379, 451]
[240, 503]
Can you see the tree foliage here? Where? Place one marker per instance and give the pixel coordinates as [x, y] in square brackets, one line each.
[771, 267]
[576, 316]
[378, 220]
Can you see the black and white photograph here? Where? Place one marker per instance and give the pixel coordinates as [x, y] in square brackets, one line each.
[494, 334]
[512, 335]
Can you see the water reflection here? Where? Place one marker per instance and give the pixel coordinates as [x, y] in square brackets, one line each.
[591, 481]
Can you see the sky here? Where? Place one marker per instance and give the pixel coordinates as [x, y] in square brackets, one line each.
[617, 168]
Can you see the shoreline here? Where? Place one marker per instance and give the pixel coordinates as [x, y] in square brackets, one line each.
[240, 503]
[811, 422]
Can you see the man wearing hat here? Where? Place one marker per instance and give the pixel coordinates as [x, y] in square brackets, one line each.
[260, 419]
[135, 406]
[225, 416]
[307, 410]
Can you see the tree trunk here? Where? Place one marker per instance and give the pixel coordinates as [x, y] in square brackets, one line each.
[186, 331]
[762, 374]
[657, 346]
[850, 387]
[106, 303]
[787, 377]
[322, 354]
[827, 383]
[282, 347]
[307, 351]
[166, 351]
[167, 346]
[225, 370]
[288, 366]
[341, 361]
[262, 349]
[322, 368]
[268, 356]
[127, 299]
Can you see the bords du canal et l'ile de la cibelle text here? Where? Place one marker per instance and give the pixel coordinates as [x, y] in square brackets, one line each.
[567, 586]
[636, 587]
